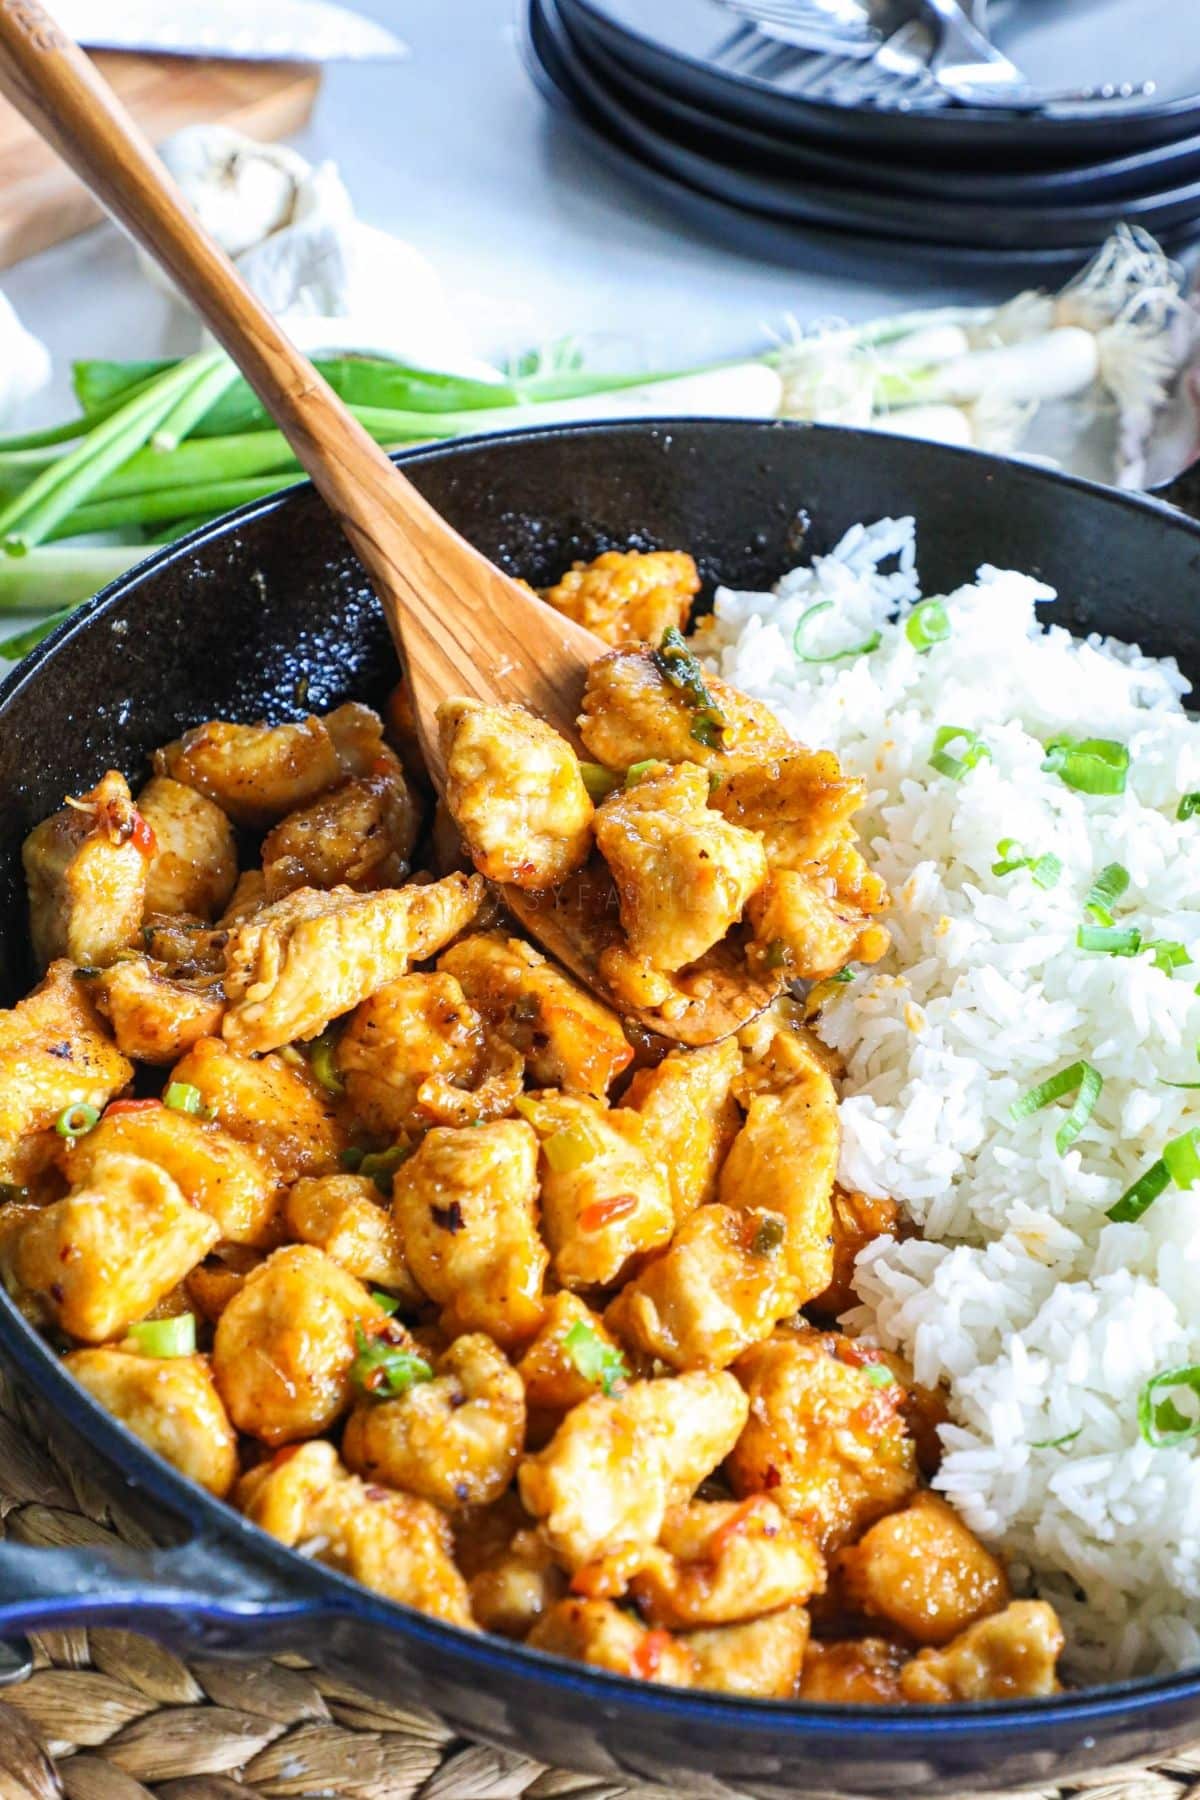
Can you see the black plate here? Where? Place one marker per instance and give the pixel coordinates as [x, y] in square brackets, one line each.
[708, 197]
[670, 44]
[1171, 215]
[1142, 172]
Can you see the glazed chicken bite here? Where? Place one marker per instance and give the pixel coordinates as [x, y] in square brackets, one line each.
[568, 1038]
[760, 1659]
[257, 773]
[103, 1257]
[689, 1118]
[721, 1562]
[454, 1434]
[54, 1053]
[683, 873]
[360, 835]
[307, 959]
[194, 865]
[348, 1218]
[674, 1432]
[512, 1577]
[605, 1199]
[465, 1204]
[922, 1572]
[825, 1437]
[853, 1672]
[643, 705]
[1010, 1656]
[275, 1108]
[597, 1632]
[572, 1356]
[286, 1342]
[155, 1015]
[799, 802]
[394, 1543]
[85, 868]
[628, 596]
[858, 1219]
[803, 929]
[170, 1403]
[418, 1054]
[515, 791]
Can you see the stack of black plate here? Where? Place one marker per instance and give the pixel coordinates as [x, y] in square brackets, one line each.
[770, 156]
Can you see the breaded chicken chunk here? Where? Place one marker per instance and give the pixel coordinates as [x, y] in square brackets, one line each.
[633, 712]
[597, 1632]
[690, 1118]
[54, 1053]
[274, 1108]
[347, 1217]
[785, 1158]
[359, 835]
[628, 596]
[85, 868]
[156, 1016]
[170, 1403]
[760, 1659]
[922, 1572]
[515, 791]
[1010, 1656]
[799, 802]
[194, 866]
[684, 873]
[802, 928]
[258, 773]
[312, 956]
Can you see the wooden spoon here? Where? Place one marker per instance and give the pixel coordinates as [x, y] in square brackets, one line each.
[461, 625]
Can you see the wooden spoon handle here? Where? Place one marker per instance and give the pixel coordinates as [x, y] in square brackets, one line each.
[399, 538]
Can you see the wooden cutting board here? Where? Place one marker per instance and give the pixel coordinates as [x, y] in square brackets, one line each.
[41, 202]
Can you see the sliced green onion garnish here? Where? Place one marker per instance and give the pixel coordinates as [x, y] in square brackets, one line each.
[593, 1359]
[842, 975]
[635, 771]
[598, 780]
[384, 1370]
[806, 618]
[387, 1303]
[1110, 940]
[1044, 870]
[927, 624]
[776, 955]
[769, 1235]
[973, 751]
[381, 1165]
[77, 1120]
[569, 1148]
[1182, 1157]
[1169, 954]
[1142, 1195]
[1092, 765]
[1105, 891]
[321, 1062]
[182, 1097]
[1068, 1437]
[166, 1337]
[1188, 807]
[1079, 1076]
[1160, 1421]
[680, 669]
[352, 1157]
[879, 1375]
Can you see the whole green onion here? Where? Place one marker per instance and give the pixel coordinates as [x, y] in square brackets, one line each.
[806, 618]
[1079, 1076]
[595, 1360]
[926, 625]
[1105, 891]
[1160, 1421]
[77, 1120]
[955, 767]
[166, 1337]
[1091, 765]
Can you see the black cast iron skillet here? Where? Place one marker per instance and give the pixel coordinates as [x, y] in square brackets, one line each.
[269, 614]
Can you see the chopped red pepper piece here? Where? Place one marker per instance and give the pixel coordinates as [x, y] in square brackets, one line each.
[605, 1212]
[647, 1658]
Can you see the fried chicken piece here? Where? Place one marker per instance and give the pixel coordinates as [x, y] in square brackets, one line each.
[673, 1431]
[103, 1257]
[632, 713]
[690, 1118]
[512, 1577]
[1010, 1656]
[397, 1545]
[569, 1039]
[825, 1438]
[853, 1672]
[454, 1439]
[279, 1111]
[258, 773]
[194, 866]
[515, 791]
[922, 1572]
[156, 1017]
[605, 1199]
[628, 596]
[800, 802]
[54, 1053]
[597, 1632]
[309, 958]
[417, 1054]
[760, 1659]
[554, 1381]
[683, 873]
[722, 1562]
[858, 1219]
[85, 868]
[347, 1218]
[465, 1205]
[808, 932]
[785, 1157]
[170, 1403]
[359, 835]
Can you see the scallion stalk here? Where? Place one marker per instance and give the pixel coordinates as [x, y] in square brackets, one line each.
[955, 767]
[1090, 765]
[1105, 891]
[166, 1337]
[1080, 1079]
[809, 656]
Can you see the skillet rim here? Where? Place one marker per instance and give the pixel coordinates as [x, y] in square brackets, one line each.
[216, 1525]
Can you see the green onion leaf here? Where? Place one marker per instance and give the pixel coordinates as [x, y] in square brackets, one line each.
[381, 1165]
[1161, 1421]
[1182, 1157]
[1044, 870]
[182, 1097]
[635, 771]
[321, 1061]
[382, 1370]
[926, 625]
[769, 1235]
[1142, 1195]
[1068, 1437]
[841, 976]
[1079, 1076]
[879, 1375]
[808, 656]
[1169, 954]
[595, 1360]
[598, 780]
[352, 1157]
[1105, 891]
[570, 1148]
[387, 1302]
[1110, 940]
[1047, 870]
[1188, 807]
[680, 669]
[166, 1337]
[1092, 765]
[955, 767]
[77, 1120]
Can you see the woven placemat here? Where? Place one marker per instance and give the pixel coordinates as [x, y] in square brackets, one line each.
[109, 1715]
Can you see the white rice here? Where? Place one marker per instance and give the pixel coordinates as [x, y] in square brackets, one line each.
[1041, 1316]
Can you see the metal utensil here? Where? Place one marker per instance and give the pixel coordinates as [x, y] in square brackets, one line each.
[317, 31]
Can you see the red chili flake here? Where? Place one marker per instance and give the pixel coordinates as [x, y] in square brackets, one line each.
[604, 1212]
[141, 834]
[772, 1478]
[735, 1524]
[647, 1658]
[116, 1107]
